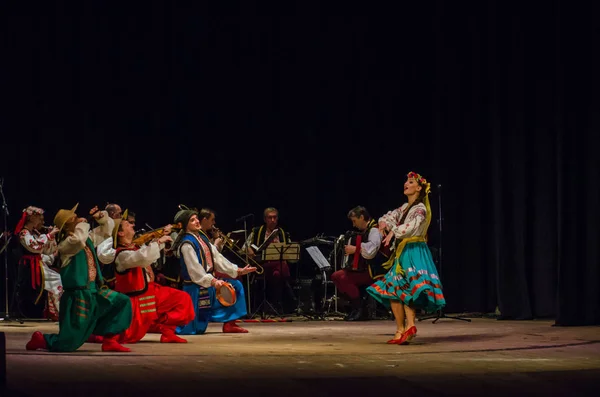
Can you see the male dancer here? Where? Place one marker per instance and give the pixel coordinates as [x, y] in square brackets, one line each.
[85, 309]
[199, 260]
[153, 304]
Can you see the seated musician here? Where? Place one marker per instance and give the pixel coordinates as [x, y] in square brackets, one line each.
[277, 273]
[360, 269]
[200, 259]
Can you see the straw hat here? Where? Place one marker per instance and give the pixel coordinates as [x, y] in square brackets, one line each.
[115, 230]
[63, 216]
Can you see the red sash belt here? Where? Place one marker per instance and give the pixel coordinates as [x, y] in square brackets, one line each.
[357, 252]
[34, 262]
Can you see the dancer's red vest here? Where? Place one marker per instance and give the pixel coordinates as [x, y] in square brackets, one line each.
[131, 282]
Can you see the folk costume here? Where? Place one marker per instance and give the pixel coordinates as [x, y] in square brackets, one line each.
[277, 273]
[412, 279]
[199, 260]
[104, 229]
[154, 306]
[360, 269]
[39, 287]
[103, 241]
[168, 269]
[85, 307]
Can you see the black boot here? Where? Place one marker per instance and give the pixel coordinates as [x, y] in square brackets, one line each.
[368, 304]
[357, 311]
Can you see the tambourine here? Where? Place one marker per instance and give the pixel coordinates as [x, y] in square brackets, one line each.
[226, 295]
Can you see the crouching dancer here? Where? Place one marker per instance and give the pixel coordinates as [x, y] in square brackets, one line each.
[85, 309]
[153, 305]
[199, 259]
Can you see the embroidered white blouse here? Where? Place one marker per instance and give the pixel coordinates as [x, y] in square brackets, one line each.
[414, 224]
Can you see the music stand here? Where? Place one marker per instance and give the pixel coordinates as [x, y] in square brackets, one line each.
[323, 265]
[276, 252]
[265, 243]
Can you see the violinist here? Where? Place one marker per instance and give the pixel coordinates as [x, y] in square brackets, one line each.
[131, 218]
[153, 305]
[360, 271]
[106, 249]
[166, 272]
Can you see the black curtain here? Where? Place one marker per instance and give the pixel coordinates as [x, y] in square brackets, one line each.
[296, 106]
[516, 85]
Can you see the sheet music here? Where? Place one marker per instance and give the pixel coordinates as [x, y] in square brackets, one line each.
[317, 256]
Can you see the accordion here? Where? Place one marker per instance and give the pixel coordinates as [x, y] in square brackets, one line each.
[354, 262]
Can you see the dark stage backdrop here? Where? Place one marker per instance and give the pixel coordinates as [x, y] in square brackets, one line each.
[316, 110]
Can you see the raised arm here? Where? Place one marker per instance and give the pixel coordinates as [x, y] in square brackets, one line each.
[74, 242]
[105, 251]
[37, 245]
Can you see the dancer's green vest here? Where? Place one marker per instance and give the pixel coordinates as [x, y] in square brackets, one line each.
[75, 274]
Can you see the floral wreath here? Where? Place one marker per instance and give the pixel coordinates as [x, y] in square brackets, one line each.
[27, 212]
[420, 180]
[31, 210]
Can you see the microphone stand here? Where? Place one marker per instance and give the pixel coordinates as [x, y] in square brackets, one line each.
[440, 313]
[246, 255]
[7, 317]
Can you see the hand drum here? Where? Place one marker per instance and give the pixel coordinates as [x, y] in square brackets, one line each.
[226, 295]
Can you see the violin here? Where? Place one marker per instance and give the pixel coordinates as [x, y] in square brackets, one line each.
[154, 234]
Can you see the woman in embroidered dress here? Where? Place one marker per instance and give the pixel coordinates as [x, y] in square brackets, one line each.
[35, 275]
[412, 281]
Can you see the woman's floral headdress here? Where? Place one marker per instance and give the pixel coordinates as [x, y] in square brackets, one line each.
[420, 180]
[423, 182]
[27, 212]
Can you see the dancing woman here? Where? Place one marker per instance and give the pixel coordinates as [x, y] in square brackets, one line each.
[412, 281]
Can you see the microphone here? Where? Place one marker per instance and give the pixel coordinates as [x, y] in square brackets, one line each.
[241, 218]
[439, 186]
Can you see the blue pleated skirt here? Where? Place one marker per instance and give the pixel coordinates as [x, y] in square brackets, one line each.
[417, 284]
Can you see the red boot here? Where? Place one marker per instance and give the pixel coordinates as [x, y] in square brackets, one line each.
[110, 344]
[232, 328]
[168, 336]
[37, 342]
